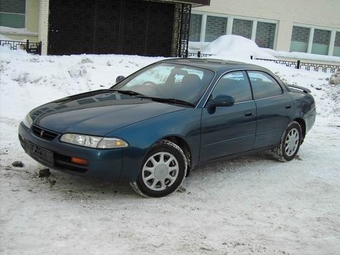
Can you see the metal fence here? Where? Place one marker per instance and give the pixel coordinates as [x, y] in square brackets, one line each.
[309, 66]
[29, 47]
[298, 64]
[199, 55]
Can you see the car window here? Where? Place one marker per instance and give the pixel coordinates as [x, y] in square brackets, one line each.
[156, 75]
[234, 84]
[166, 80]
[264, 85]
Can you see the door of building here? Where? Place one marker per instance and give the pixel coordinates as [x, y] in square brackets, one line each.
[110, 27]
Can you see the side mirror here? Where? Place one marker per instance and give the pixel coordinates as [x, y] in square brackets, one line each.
[220, 101]
[223, 100]
[120, 78]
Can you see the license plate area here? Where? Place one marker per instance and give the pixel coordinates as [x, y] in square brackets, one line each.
[41, 154]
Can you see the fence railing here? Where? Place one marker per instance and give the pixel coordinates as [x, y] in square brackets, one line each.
[298, 64]
[309, 66]
[199, 55]
[29, 47]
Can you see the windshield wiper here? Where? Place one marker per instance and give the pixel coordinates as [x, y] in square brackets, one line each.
[157, 99]
[128, 92]
[168, 100]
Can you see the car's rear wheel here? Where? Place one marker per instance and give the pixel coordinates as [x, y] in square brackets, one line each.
[163, 170]
[290, 143]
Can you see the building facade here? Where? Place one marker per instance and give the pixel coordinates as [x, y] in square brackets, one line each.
[19, 19]
[149, 28]
[160, 27]
[310, 26]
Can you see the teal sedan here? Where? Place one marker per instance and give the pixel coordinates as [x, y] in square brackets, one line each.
[156, 125]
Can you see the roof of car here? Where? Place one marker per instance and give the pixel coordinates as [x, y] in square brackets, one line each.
[215, 64]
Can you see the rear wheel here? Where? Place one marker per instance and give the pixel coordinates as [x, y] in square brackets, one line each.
[163, 170]
[290, 143]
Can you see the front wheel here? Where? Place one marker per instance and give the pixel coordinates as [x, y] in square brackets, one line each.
[290, 143]
[163, 170]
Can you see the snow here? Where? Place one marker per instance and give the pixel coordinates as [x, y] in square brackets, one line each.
[235, 47]
[304, 56]
[248, 205]
[240, 48]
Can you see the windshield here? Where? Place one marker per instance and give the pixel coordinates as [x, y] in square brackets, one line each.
[169, 81]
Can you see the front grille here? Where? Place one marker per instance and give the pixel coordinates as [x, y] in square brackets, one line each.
[44, 134]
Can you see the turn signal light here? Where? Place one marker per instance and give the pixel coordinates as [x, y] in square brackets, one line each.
[79, 161]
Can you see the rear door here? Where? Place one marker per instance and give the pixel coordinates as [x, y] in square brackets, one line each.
[274, 108]
[229, 130]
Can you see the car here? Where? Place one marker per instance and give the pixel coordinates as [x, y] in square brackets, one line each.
[153, 127]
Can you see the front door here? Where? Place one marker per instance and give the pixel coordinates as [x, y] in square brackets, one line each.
[231, 129]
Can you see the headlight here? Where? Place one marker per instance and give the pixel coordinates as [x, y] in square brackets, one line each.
[28, 121]
[94, 141]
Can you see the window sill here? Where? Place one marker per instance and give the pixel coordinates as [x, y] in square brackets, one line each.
[16, 31]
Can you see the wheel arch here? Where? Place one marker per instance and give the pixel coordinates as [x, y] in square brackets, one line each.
[184, 146]
[302, 124]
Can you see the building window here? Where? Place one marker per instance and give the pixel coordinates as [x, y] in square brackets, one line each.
[336, 51]
[216, 26]
[12, 13]
[207, 28]
[265, 34]
[195, 27]
[315, 40]
[321, 41]
[243, 28]
[300, 38]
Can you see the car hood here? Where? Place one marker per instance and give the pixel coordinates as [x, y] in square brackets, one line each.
[97, 113]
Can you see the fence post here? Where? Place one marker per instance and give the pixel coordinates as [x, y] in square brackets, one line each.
[39, 47]
[298, 64]
[27, 45]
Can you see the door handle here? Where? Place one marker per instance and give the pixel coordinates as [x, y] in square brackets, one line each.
[247, 114]
[288, 106]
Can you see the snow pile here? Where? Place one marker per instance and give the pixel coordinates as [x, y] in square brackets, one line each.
[243, 206]
[30, 80]
[235, 47]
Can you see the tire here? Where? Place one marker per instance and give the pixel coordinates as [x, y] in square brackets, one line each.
[163, 170]
[290, 143]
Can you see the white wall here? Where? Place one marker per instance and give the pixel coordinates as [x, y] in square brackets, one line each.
[320, 13]
[43, 25]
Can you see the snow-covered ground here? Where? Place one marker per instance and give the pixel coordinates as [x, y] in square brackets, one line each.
[249, 205]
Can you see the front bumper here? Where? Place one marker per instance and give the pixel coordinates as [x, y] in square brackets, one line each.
[49, 151]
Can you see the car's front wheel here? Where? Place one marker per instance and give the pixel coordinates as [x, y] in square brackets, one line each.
[163, 170]
[290, 143]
